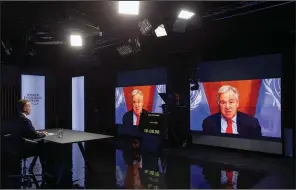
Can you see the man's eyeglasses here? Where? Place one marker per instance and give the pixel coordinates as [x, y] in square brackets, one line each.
[136, 102]
[224, 103]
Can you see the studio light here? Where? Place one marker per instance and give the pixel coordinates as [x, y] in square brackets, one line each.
[76, 40]
[185, 14]
[131, 47]
[160, 31]
[145, 27]
[125, 50]
[128, 7]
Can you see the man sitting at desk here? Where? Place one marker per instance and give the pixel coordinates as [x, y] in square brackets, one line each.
[19, 129]
[22, 125]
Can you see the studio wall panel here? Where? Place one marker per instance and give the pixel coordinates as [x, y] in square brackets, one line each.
[78, 103]
[33, 89]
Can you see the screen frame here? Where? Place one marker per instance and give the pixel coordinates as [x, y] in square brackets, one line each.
[263, 138]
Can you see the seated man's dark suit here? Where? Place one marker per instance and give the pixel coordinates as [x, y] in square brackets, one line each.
[247, 126]
[21, 127]
[128, 117]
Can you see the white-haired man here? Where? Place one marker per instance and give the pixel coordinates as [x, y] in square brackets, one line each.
[132, 117]
[229, 120]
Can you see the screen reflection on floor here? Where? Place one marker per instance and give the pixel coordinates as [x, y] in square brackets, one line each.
[134, 170]
[221, 177]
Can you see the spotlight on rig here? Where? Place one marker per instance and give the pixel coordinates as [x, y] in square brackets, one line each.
[125, 50]
[184, 14]
[160, 31]
[76, 40]
[131, 47]
[128, 7]
[145, 27]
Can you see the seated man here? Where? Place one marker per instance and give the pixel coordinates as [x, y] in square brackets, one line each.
[21, 127]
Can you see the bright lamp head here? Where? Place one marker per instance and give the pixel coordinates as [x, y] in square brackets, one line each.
[160, 31]
[76, 40]
[128, 7]
[185, 14]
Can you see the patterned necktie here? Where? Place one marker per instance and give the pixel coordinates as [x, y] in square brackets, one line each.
[229, 126]
[138, 119]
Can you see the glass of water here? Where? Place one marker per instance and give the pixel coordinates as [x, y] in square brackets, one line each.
[60, 133]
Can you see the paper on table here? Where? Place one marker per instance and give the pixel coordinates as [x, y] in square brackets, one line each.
[50, 134]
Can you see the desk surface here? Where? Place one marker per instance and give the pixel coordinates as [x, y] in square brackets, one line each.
[70, 136]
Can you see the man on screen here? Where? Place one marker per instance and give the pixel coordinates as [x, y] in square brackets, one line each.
[133, 116]
[229, 120]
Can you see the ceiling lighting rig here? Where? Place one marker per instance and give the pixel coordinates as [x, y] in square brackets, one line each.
[241, 8]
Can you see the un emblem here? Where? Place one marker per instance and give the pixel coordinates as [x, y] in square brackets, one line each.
[273, 89]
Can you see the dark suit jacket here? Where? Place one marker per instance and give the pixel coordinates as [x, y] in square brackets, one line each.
[127, 118]
[18, 128]
[247, 126]
[21, 127]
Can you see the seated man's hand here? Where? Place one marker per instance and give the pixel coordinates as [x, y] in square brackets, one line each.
[45, 133]
[42, 132]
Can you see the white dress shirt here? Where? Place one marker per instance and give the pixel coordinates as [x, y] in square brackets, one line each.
[224, 125]
[224, 178]
[140, 164]
[134, 119]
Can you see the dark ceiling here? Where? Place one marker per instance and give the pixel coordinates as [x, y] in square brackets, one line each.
[39, 30]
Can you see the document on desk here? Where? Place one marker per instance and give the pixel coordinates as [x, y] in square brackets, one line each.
[50, 134]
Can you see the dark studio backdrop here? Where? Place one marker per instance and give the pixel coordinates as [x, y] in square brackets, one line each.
[219, 41]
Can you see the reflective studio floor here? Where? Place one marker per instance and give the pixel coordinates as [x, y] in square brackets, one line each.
[116, 164]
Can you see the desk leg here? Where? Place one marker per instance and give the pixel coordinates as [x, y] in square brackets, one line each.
[33, 163]
[83, 154]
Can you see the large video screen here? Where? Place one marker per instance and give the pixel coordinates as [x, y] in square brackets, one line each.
[244, 108]
[132, 101]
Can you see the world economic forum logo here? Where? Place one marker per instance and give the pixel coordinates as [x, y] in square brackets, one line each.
[33, 98]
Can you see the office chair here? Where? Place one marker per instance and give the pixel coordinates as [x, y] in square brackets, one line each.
[27, 175]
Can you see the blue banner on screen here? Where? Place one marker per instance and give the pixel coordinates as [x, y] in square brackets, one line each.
[244, 108]
[78, 103]
[134, 100]
[33, 89]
